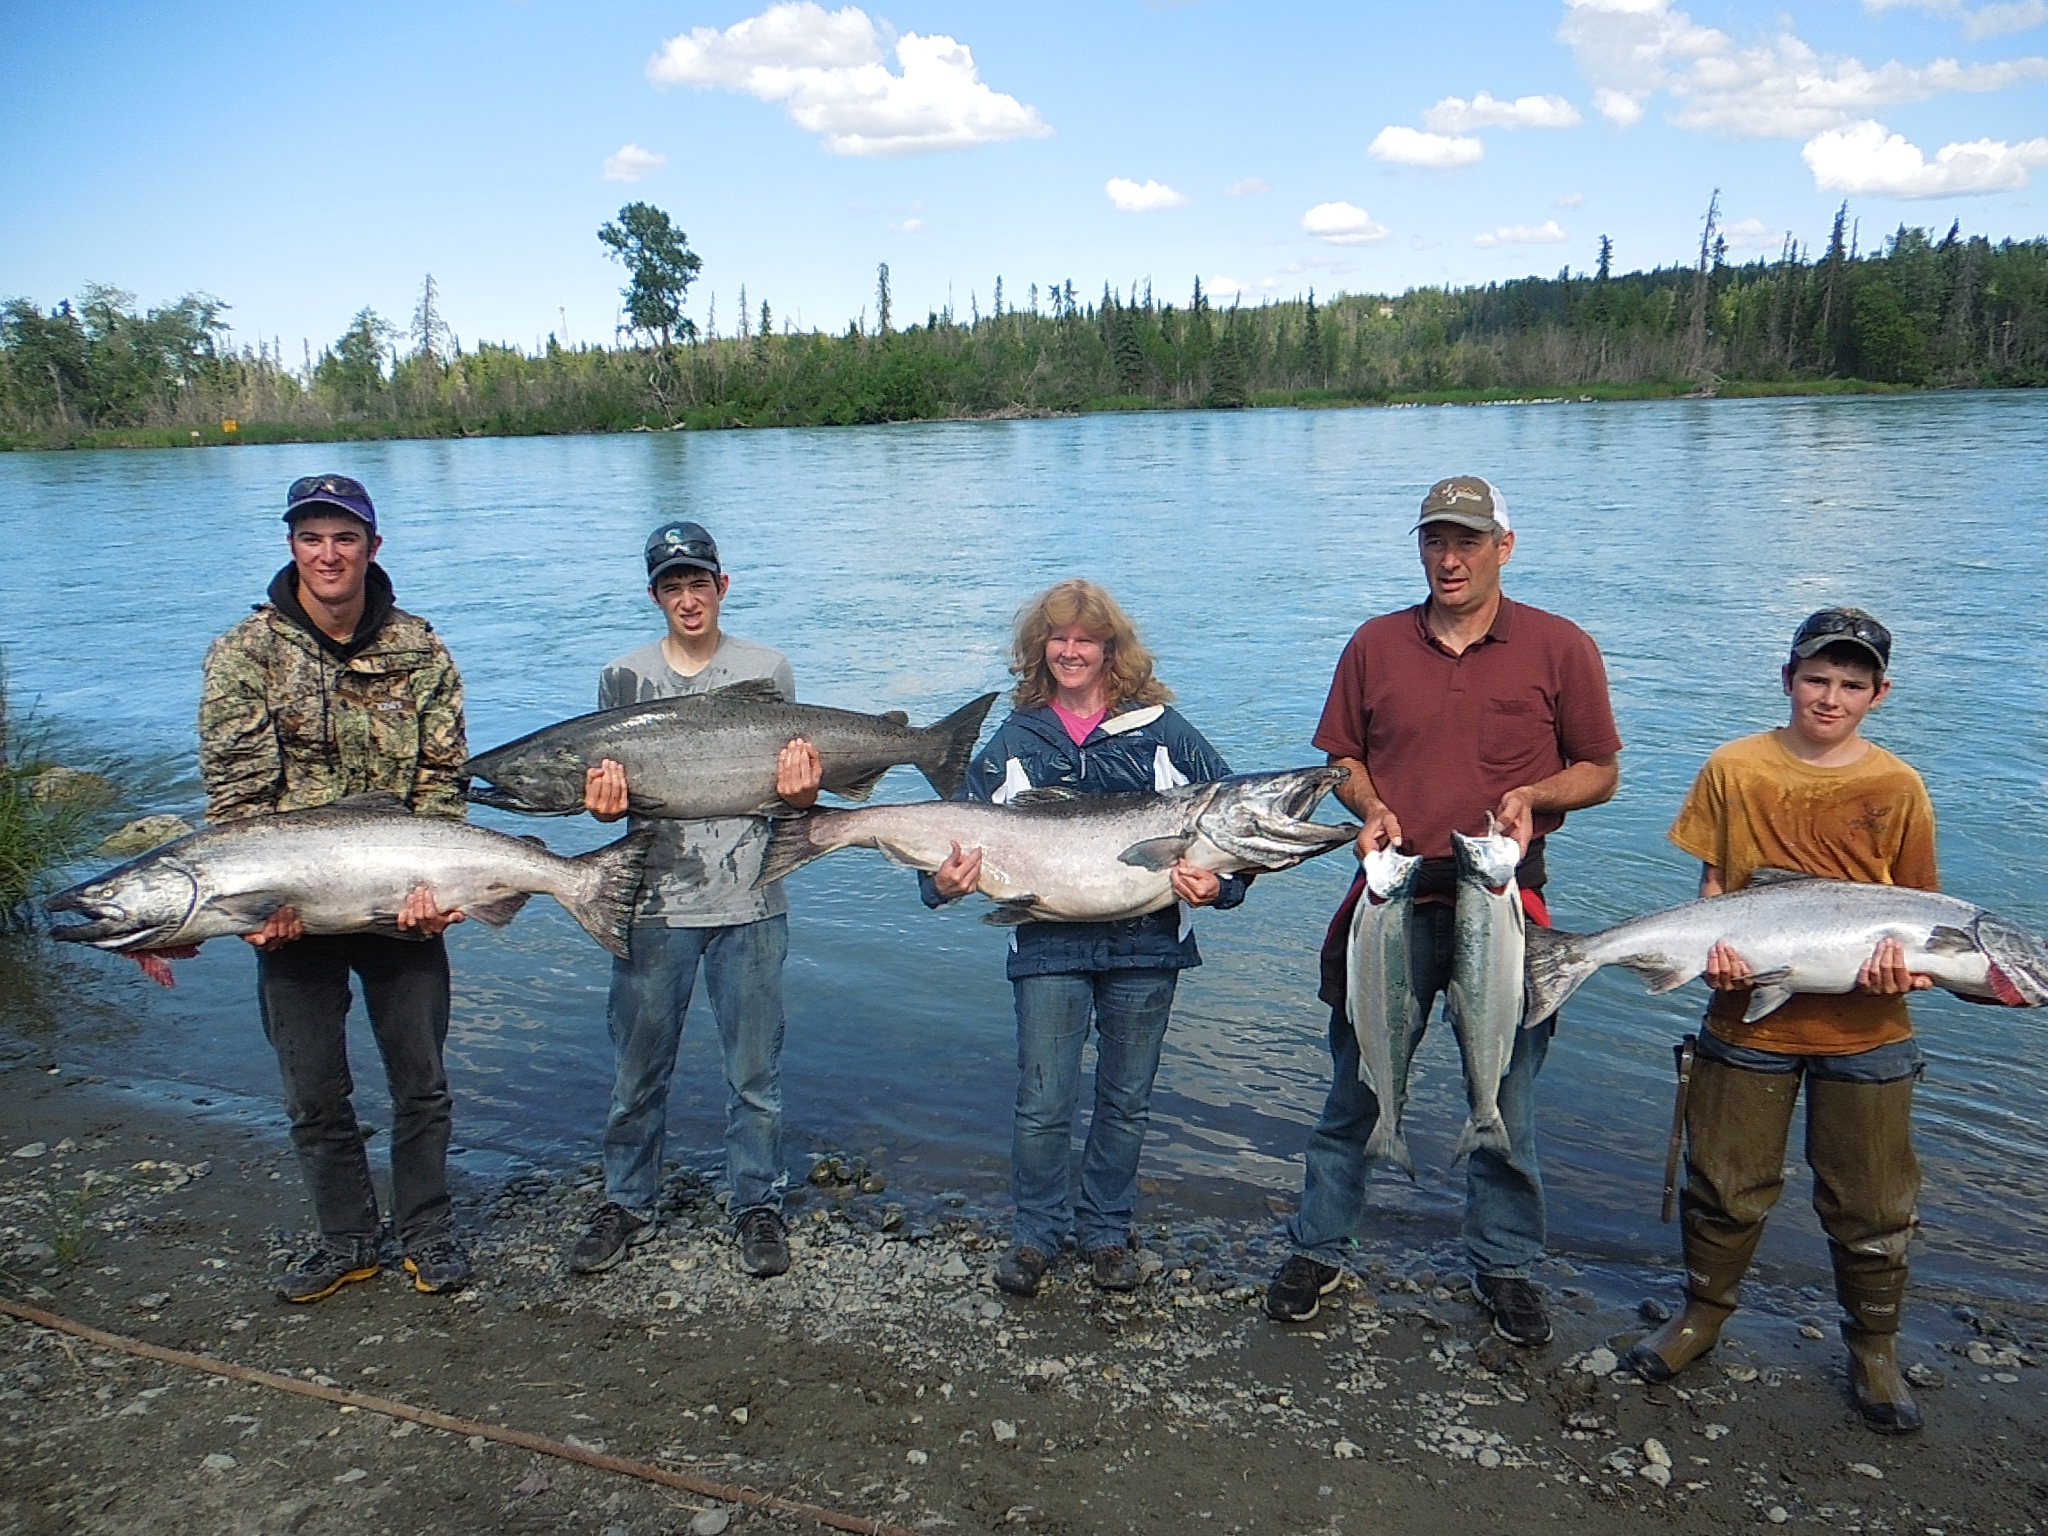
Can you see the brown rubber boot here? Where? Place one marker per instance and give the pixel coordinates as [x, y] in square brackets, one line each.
[1866, 1181]
[1735, 1123]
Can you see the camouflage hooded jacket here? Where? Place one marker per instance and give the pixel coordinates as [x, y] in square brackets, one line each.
[289, 720]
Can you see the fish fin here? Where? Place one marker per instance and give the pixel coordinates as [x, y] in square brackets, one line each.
[1388, 1145]
[1658, 973]
[1946, 940]
[1770, 874]
[1052, 796]
[894, 717]
[898, 856]
[381, 801]
[956, 735]
[500, 912]
[1553, 968]
[1487, 1135]
[793, 843]
[155, 966]
[528, 837]
[862, 787]
[762, 689]
[1767, 999]
[643, 805]
[607, 890]
[1008, 914]
[1154, 853]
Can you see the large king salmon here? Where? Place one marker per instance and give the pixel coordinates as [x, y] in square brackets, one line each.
[713, 754]
[344, 868]
[1053, 855]
[1801, 933]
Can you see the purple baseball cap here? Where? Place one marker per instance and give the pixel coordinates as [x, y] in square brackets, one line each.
[314, 494]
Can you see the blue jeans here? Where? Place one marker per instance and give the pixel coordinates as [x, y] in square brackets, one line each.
[1130, 1009]
[1882, 1064]
[650, 997]
[1504, 1214]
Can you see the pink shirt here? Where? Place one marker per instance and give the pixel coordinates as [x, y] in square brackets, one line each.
[1079, 727]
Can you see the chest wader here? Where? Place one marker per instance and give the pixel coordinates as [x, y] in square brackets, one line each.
[1866, 1181]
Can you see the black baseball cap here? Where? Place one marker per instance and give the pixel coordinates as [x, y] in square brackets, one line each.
[1844, 626]
[680, 544]
[312, 495]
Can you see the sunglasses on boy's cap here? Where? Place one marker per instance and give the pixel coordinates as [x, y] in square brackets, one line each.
[680, 544]
[1843, 626]
[311, 493]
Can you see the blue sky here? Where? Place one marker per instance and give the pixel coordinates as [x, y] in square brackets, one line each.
[301, 162]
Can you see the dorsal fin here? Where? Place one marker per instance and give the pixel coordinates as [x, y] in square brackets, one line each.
[762, 689]
[1052, 796]
[895, 716]
[379, 800]
[1771, 875]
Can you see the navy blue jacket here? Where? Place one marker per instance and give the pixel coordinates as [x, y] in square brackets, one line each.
[1122, 758]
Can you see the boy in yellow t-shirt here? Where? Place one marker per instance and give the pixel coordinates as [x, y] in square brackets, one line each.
[1812, 796]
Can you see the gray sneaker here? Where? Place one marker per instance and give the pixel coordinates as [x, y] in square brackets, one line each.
[437, 1266]
[764, 1242]
[333, 1263]
[607, 1241]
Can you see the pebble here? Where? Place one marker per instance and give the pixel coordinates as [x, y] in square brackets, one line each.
[1345, 1450]
[955, 1268]
[352, 1475]
[145, 833]
[1655, 1472]
[1489, 1457]
[710, 1522]
[1809, 1331]
[1777, 1514]
[1003, 1430]
[31, 1149]
[916, 1458]
[1655, 1454]
[1865, 1469]
[1739, 1373]
[220, 1461]
[1716, 1431]
[1651, 1310]
[1925, 1376]
[1599, 1362]
[739, 1415]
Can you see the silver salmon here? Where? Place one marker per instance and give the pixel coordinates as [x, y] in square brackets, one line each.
[1053, 855]
[1801, 933]
[713, 754]
[1485, 994]
[1380, 997]
[344, 868]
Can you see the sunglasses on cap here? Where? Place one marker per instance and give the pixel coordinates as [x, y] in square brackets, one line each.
[1832, 625]
[326, 485]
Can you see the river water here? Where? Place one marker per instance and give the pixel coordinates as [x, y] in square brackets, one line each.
[1688, 537]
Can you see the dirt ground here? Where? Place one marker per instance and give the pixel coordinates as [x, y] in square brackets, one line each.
[885, 1378]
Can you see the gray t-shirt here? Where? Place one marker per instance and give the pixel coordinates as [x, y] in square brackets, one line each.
[701, 872]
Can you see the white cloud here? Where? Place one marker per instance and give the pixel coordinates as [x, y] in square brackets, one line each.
[1435, 151]
[629, 162]
[1343, 224]
[1251, 186]
[1142, 196]
[827, 70]
[1454, 114]
[1221, 287]
[1750, 235]
[1994, 20]
[1776, 87]
[1571, 200]
[1867, 159]
[909, 226]
[1546, 233]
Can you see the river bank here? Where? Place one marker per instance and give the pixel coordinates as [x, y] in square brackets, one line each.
[884, 1377]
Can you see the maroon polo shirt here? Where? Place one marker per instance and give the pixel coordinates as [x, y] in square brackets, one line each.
[1444, 736]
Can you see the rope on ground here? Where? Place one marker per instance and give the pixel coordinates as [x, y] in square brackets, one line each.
[727, 1493]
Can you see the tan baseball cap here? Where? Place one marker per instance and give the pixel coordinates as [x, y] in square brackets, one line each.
[1468, 501]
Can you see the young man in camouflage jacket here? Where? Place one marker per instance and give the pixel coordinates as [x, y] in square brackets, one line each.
[325, 691]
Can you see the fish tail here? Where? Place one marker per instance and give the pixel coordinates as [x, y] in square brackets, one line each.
[1554, 968]
[1388, 1145]
[609, 888]
[1488, 1133]
[793, 841]
[956, 736]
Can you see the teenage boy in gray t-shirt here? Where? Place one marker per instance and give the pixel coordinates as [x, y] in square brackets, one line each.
[698, 904]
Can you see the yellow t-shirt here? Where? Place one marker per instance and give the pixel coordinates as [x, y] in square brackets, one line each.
[1755, 806]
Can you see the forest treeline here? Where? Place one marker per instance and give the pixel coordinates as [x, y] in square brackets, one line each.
[1923, 310]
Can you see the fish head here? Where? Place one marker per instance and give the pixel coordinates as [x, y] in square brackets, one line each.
[1261, 819]
[136, 906]
[2019, 958]
[1389, 874]
[540, 778]
[1490, 860]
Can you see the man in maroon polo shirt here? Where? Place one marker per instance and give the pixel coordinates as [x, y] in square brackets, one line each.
[1464, 705]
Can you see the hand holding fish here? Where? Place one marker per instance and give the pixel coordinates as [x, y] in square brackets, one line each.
[799, 772]
[419, 914]
[1380, 829]
[1515, 817]
[960, 874]
[1726, 970]
[281, 927]
[604, 790]
[1196, 886]
[1885, 973]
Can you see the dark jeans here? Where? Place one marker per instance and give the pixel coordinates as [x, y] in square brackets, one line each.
[1504, 1210]
[303, 989]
